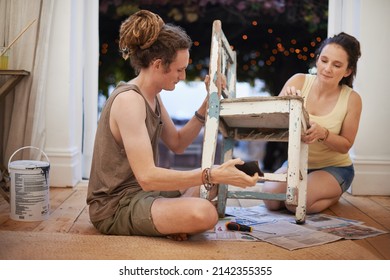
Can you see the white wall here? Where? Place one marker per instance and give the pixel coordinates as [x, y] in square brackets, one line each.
[368, 20]
[72, 82]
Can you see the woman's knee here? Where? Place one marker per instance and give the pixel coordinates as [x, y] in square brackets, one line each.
[274, 187]
[273, 205]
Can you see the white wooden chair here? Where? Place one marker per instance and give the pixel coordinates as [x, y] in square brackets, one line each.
[251, 119]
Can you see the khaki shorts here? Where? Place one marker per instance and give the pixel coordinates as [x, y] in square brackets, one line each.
[133, 216]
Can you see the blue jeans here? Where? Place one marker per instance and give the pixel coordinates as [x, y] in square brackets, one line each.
[343, 174]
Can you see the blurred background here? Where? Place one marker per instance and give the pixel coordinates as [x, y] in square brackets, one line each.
[274, 39]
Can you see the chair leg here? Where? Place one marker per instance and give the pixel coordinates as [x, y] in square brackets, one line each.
[300, 212]
[210, 136]
[294, 143]
[227, 153]
[222, 200]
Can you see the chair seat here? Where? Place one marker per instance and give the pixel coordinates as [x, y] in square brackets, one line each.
[257, 118]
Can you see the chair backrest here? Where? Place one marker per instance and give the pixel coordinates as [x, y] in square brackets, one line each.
[223, 63]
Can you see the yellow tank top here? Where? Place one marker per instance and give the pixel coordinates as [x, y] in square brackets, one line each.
[319, 154]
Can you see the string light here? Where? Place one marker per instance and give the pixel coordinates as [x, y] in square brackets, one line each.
[280, 47]
[104, 48]
[253, 63]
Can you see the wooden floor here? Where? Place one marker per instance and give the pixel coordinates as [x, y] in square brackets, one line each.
[69, 214]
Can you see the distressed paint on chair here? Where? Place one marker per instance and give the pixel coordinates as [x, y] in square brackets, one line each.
[249, 119]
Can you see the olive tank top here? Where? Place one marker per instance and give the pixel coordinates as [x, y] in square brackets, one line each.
[111, 177]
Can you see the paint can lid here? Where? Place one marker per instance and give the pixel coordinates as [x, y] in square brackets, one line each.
[28, 164]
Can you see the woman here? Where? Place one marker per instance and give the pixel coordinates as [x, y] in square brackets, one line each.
[334, 109]
[128, 194]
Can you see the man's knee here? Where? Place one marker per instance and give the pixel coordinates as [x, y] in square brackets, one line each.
[205, 212]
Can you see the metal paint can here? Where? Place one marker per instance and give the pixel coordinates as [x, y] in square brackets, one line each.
[30, 189]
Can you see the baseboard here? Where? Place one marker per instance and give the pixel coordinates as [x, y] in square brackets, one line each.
[372, 177]
[65, 167]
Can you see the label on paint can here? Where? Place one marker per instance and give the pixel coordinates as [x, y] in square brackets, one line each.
[29, 192]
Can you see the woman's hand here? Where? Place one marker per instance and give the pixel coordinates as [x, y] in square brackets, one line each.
[314, 133]
[292, 91]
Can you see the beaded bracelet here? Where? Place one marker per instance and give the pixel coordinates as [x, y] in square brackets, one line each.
[204, 171]
[199, 117]
[206, 179]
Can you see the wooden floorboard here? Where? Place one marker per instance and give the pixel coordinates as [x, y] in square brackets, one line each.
[64, 217]
[374, 214]
[69, 215]
[361, 208]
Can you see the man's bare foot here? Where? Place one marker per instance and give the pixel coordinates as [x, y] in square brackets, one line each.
[178, 236]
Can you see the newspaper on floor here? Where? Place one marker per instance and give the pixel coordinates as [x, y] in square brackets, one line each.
[281, 233]
[347, 229]
[279, 228]
[339, 226]
[292, 236]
